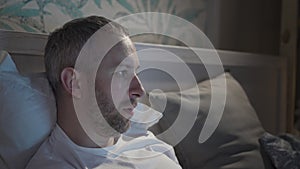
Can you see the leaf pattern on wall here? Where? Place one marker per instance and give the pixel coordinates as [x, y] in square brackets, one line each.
[17, 16]
[32, 15]
[126, 5]
[14, 16]
[98, 3]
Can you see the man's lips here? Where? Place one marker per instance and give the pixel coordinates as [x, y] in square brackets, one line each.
[128, 110]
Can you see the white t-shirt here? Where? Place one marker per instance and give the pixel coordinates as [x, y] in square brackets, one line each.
[144, 152]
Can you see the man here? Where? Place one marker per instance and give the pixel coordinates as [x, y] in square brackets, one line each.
[88, 134]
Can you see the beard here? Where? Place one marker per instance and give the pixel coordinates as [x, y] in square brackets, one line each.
[117, 123]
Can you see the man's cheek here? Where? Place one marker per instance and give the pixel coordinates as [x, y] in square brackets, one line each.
[120, 84]
[119, 91]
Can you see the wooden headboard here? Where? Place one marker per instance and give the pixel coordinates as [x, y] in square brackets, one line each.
[262, 76]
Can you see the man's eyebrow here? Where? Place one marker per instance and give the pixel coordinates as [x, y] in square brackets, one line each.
[129, 66]
[125, 65]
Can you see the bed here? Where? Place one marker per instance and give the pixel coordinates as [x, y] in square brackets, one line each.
[260, 77]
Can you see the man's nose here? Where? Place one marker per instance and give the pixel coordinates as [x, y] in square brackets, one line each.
[136, 88]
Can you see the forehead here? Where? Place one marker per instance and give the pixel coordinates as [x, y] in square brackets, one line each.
[106, 50]
[123, 53]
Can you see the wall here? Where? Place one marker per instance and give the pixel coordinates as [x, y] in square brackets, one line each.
[297, 113]
[249, 26]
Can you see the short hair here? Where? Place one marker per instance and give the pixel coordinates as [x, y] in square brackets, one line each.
[65, 44]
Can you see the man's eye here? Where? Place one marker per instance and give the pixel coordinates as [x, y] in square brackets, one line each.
[122, 74]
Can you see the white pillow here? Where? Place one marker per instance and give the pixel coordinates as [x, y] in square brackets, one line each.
[27, 114]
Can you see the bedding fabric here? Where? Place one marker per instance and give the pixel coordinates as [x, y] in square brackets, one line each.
[283, 150]
[234, 144]
[27, 116]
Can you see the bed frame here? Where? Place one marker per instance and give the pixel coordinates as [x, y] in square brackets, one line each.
[262, 76]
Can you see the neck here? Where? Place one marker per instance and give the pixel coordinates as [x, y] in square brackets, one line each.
[69, 123]
[79, 136]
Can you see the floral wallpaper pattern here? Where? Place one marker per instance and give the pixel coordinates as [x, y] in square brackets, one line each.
[43, 16]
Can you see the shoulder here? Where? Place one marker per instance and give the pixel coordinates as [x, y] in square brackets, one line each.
[49, 165]
[45, 158]
[50, 155]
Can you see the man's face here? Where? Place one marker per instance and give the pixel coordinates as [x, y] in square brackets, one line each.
[117, 86]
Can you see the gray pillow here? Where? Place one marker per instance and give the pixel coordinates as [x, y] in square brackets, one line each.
[27, 114]
[234, 144]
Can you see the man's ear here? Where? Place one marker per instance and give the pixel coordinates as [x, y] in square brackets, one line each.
[70, 81]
